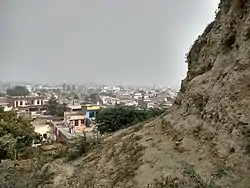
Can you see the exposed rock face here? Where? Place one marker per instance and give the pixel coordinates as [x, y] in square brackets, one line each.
[214, 102]
[205, 140]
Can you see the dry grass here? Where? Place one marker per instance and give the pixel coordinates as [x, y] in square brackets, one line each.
[189, 179]
[127, 160]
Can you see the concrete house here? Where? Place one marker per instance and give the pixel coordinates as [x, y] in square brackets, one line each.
[91, 111]
[74, 115]
[4, 103]
[31, 105]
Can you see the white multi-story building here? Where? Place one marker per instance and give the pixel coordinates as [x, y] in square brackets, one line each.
[29, 88]
[137, 95]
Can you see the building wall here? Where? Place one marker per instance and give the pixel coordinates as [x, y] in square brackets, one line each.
[94, 108]
[90, 114]
[71, 119]
[26, 102]
[106, 100]
[29, 88]
[21, 103]
[6, 108]
[37, 102]
[150, 105]
[42, 128]
[76, 122]
[58, 136]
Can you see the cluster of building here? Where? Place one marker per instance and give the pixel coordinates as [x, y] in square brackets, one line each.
[82, 105]
[145, 98]
[77, 120]
[24, 104]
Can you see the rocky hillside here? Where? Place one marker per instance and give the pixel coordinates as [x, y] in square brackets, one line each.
[204, 141]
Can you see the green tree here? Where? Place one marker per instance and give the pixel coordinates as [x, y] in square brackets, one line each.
[74, 96]
[17, 91]
[16, 134]
[52, 105]
[2, 95]
[119, 117]
[37, 173]
[61, 108]
[55, 108]
[81, 146]
[94, 97]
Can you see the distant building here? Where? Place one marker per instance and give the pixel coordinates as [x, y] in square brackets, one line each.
[91, 111]
[32, 105]
[106, 100]
[26, 101]
[63, 133]
[150, 105]
[29, 88]
[74, 116]
[4, 103]
[77, 121]
[146, 102]
[137, 96]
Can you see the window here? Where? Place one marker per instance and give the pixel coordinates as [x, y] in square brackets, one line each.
[38, 101]
[16, 103]
[82, 121]
[76, 122]
[21, 103]
[91, 114]
[45, 136]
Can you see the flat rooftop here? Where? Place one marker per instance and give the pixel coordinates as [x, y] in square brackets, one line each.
[65, 131]
[74, 107]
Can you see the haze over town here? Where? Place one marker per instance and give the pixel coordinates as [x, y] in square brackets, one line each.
[112, 42]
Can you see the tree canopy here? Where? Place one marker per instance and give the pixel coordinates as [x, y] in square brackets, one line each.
[94, 97]
[74, 96]
[2, 94]
[16, 133]
[55, 108]
[17, 91]
[119, 117]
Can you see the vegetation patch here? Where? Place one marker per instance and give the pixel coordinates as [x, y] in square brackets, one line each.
[119, 117]
[55, 108]
[79, 147]
[17, 91]
[16, 135]
[15, 175]
[189, 179]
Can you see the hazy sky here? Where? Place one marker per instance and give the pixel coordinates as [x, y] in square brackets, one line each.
[105, 41]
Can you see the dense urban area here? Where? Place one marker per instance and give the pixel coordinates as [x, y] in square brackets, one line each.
[60, 112]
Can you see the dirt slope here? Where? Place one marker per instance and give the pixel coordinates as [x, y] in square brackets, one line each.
[205, 140]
